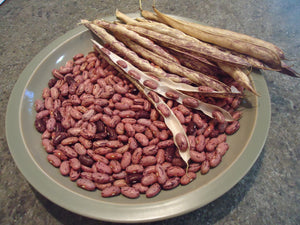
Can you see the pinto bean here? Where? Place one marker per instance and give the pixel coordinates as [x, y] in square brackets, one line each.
[153, 190]
[175, 171]
[148, 160]
[205, 167]
[134, 168]
[187, 178]
[54, 160]
[86, 184]
[233, 127]
[110, 191]
[149, 179]
[171, 183]
[75, 163]
[74, 174]
[130, 192]
[100, 178]
[103, 168]
[64, 168]
[69, 140]
[142, 139]
[181, 141]
[222, 148]
[212, 144]
[129, 129]
[215, 160]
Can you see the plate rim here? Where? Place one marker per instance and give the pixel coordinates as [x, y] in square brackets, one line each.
[263, 118]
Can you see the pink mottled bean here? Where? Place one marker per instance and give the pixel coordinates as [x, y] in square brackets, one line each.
[132, 143]
[160, 156]
[151, 84]
[205, 167]
[74, 174]
[75, 164]
[126, 160]
[215, 160]
[86, 175]
[175, 171]
[184, 110]
[232, 128]
[222, 148]
[149, 169]
[194, 167]
[218, 116]
[171, 183]
[161, 174]
[127, 114]
[142, 139]
[120, 128]
[150, 150]
[69, 141]
[179, 116]
[121, 175]
[120, 183]
[86, 184]
[110, 191]
[148, 160]
[141, 188]
[103, 168]
[87, 116]
[212, 144]
[198, 156]
[130, 192]
[115, 166]
[134, 168]
[144, 122]
[153, 190]
[123, 138]
[114, 144]
[187, 178]
[172, 95]
[65, 168]
[197, 120]
[51, 124]
[42, 114]
[129, 129]
[166, 143]
[48, 146]
[100, 158]
[101, 187]
[149, 179]
[113, 155]
[54, 160]
[164, 110]
[181, 141]
[190, 102]
[85, 142]
[137, 155]
[100, 178]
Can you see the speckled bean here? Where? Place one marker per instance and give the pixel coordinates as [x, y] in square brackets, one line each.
[86, 184]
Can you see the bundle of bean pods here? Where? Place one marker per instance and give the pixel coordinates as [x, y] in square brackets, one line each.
[138, 114]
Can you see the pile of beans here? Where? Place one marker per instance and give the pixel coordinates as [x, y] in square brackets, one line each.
[99, 130]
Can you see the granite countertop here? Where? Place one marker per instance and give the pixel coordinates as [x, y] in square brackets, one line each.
[270, 191]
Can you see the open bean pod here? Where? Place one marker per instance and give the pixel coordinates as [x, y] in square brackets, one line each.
[162, 86]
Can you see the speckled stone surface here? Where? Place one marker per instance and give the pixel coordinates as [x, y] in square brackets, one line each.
[268, 194]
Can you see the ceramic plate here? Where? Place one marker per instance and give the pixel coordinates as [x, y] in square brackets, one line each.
[25, 146]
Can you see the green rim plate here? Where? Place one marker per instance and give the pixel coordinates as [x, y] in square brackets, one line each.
[25, 146]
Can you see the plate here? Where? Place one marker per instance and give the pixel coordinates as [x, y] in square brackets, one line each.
[25, 146]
